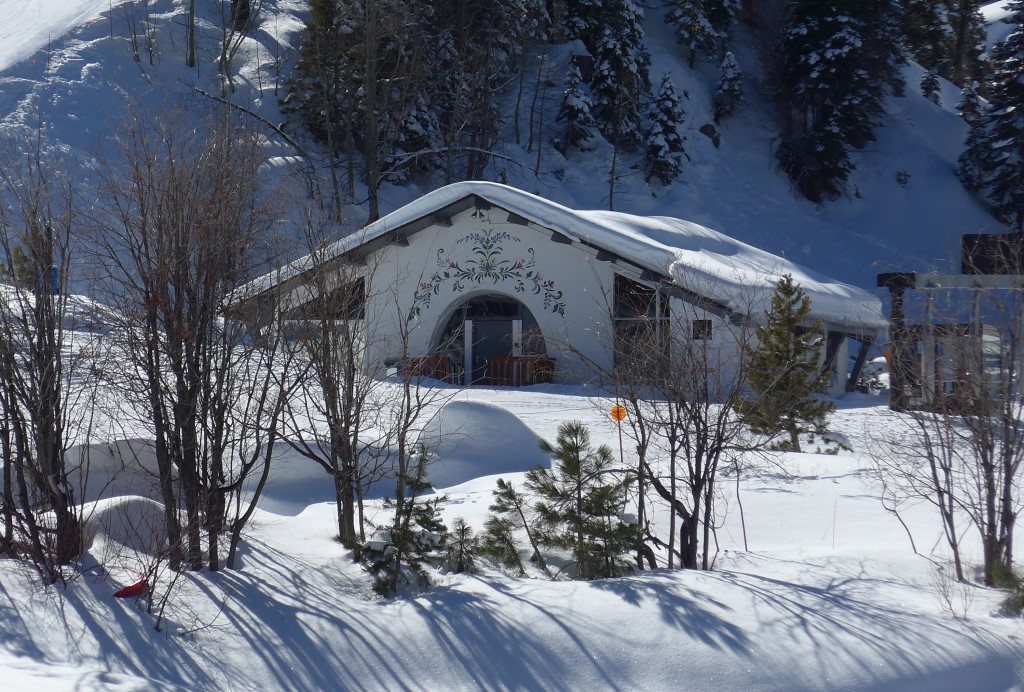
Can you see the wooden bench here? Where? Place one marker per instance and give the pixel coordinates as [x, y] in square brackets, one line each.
[520, 371]
[436, 367]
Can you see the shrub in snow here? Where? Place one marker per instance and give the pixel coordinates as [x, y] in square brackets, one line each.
[1012, 604]
[401, 552]
[511, 514]
[461, 548]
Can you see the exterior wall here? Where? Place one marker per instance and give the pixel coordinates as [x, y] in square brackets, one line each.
[720, 354]
[415, 288]
[837, 387]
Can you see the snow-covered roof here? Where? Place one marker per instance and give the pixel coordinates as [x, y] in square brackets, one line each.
[696, 258]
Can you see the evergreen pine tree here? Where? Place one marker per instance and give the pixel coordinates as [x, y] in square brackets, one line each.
[400, 551]
[930, 86]
[461, 546]
[574, 114]
[947, 37]
[396, 554]
[580, 503]
[969, 107]
[784, 369]
[927, 33]
[967, 41]
[883, 51]
[621, 80]
[583, 20]
[840, 60]
[975, 161]
[694, 29]
[998, 149]
[316, 91]
[730, 88]
[664, 148]
[721, 14]
[511, 514]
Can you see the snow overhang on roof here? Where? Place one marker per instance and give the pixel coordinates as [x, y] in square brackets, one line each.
[695, 258]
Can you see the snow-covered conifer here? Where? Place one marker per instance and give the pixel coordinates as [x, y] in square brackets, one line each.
[721, 14]
[694, 29]
[730, 88]
[928, 34]
[967, 40]
[840, 61]
[575, 114]
[664, 146]
[969, 107]
[400, 552]
[975, 160]
[621, 81]
[996, 145]
[946, 36]
[930, 86]
[583, 20]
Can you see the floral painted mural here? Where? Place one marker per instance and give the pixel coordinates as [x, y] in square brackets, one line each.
[488, 264]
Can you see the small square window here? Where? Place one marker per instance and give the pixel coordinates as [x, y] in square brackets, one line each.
[702, 329]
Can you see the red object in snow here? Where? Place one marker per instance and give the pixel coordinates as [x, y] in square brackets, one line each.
[139, 588]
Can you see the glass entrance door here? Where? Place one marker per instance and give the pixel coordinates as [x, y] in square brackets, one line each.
[491, 339]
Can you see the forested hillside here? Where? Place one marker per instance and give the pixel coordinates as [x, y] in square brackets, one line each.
[830, 132]
[398, 89]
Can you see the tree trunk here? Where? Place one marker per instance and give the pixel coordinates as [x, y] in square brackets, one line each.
[190, 39]
[241, 11]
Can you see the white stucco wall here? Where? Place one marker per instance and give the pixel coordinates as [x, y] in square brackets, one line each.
[566, 288]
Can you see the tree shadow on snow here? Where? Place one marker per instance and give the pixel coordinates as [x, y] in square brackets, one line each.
[682, 609]
[842, 622]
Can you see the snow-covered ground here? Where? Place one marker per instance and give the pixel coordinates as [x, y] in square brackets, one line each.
[31, 26]
[829, 595]
[994, 14]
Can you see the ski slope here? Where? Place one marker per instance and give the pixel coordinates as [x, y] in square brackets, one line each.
[28, 27]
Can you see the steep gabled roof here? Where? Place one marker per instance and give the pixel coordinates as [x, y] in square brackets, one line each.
[696, 259]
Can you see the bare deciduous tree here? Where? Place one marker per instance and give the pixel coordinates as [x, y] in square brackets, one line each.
[185, 225]
[964, 416]
[38, 360]
[333, 422]
[680, 375]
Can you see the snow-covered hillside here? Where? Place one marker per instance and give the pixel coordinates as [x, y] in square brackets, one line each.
[904, 207]
[815, 585]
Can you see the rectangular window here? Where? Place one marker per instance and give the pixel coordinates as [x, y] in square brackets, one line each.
[640, 324]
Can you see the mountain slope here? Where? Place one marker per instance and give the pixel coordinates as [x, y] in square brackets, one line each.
[81, 88]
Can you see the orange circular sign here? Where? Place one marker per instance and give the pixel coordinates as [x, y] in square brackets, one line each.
[618, 413]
